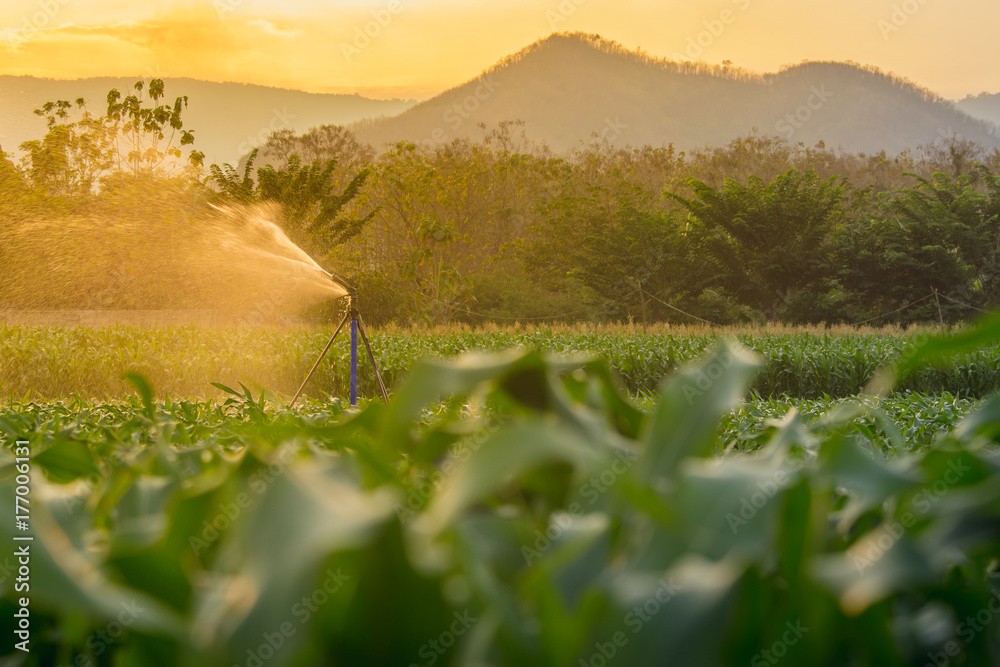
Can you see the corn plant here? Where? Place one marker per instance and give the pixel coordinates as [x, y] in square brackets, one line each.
[505, 509]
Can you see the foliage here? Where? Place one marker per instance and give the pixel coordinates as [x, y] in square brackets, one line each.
[136, 131]
[797, 235]
[612, 250]
[72, 155]
[49, 362]
[767, 239]
[322, 143]
[241, 189]
[961, 226]
[504, 510]
[307, 194]
[136, 137]
[894, 425]
[756, 230]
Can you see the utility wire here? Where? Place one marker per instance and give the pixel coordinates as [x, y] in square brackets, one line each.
[562, 316]
[893, 312]
[700, 319]
[962, 304]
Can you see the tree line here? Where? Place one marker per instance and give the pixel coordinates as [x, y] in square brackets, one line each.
[503, 229]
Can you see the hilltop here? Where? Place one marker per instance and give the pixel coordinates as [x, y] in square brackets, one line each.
[228, 119]
[575, 88]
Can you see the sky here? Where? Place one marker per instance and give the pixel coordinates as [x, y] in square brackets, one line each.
[414, 49]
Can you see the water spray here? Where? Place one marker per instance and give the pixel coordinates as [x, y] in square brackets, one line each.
[357, 327]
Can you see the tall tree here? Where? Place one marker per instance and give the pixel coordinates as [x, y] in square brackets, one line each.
[315, 208]
[137, 136]
[767, 240]
[952, 226]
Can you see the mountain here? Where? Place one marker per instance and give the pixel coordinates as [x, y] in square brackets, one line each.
[228, 119]
[570, 90]
[573, 88]
[985, 107]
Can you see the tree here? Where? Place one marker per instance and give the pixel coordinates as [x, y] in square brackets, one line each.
[611, 251]
[139, 132]
[952, 229]
[326, 142]
[240, 189]
[308, 195]
[73, 155]
[418, 233]
[13, 191]
[76, 156]
[766, 241]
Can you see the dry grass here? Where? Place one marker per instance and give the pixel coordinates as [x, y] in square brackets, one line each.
[661, 328]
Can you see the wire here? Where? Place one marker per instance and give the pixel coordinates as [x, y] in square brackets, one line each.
[537, 319]
[563, 316]
[962, 304]
[909, 305]
[700, 319]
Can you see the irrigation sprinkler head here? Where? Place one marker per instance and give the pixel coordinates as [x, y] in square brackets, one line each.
[341, 281]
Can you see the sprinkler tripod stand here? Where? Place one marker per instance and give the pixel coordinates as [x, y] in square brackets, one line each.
[357, 325]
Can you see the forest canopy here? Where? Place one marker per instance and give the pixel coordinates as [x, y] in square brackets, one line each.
[503, 229]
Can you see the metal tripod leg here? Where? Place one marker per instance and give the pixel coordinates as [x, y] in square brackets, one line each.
[371, 357]
[326, 349]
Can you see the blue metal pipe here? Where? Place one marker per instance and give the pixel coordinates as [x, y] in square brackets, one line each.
[354, 362]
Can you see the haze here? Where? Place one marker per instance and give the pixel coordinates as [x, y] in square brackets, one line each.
[423, 47]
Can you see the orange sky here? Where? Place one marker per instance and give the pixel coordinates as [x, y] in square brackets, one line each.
[416, 48]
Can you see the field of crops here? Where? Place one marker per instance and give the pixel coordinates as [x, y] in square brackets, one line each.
[512, 508]
[45, 362]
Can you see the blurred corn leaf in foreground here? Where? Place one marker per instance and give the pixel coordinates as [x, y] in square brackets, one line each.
[508, 510]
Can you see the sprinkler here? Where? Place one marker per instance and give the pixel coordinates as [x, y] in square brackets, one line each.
[357, 327]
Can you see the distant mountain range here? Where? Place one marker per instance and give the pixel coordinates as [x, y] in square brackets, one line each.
[570, 90]
[574, 88]
[984, 106]
[229, 119]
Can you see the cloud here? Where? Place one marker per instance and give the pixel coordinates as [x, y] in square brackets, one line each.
[434, 44]
[274, 29]
[189, 41]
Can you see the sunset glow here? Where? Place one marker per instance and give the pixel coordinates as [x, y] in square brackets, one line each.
[417, 48]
